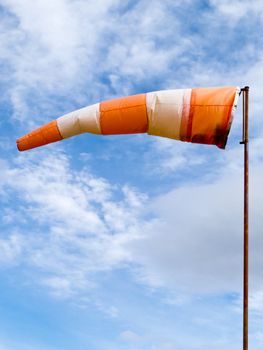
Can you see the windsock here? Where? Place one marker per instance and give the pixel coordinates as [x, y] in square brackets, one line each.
[200, 115]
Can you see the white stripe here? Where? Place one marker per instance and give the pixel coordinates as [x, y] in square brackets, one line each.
[83, 120]
[164, 110]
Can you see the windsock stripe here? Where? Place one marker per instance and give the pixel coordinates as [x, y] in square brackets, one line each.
[190, 116]
[165, 113]
[211, 113]
[127, 115]
[47, 133]
[82, 120]
[185, 114]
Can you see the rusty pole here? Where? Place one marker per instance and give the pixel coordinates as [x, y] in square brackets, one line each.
[245, 93]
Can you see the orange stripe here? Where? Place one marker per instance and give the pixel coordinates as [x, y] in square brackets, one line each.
[191, 116]
[127, 115]
[211, 113]
[45, 134]
[185, 115]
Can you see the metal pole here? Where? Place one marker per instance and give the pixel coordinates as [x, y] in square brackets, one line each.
[244, 141]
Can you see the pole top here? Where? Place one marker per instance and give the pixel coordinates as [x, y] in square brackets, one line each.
[246, 88]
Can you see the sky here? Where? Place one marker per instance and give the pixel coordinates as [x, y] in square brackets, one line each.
[126, 242]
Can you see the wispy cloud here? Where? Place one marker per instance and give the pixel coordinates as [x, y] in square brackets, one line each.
[81, 227]
[237, 10]
[84, 226]
[48, 51]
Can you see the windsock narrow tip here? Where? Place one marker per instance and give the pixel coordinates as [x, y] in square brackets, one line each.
[45, 134]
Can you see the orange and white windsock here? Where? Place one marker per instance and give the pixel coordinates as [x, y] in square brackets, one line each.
[201, 115]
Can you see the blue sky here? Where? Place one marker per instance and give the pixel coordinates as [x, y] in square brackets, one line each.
[126, 242]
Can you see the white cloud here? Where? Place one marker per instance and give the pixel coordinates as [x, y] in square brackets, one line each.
[172, 156]
[237, 9]
[11, 249]
[48, 45]
[196, 245]
[256, 302]
[71, 221]
[59, 48]
[186, 241]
